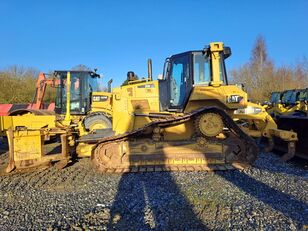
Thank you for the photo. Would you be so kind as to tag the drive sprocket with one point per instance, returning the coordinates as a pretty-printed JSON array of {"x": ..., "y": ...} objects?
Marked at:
[{"x": 209, "y": 124}]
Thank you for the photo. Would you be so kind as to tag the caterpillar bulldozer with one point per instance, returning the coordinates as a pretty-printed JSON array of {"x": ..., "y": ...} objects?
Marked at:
[{"x": 185, "y": 120}]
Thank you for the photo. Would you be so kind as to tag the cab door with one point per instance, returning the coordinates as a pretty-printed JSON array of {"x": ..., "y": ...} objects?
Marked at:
[{"x": 180, "y": 81}]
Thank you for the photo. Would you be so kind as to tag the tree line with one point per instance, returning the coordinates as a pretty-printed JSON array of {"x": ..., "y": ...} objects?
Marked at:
[
  {"x": 260, "y": 76},
  {"x": 18, "y": 84}
]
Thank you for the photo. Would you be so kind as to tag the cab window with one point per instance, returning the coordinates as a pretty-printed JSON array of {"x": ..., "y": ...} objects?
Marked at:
[
  {"x": 202, "y": 73},
  {"x": 179, "y": 80}
]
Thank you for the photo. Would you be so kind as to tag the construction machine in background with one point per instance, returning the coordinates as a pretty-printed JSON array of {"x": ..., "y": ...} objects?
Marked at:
[
  {"x": 38, "y": 100},
  {"x": 287, "y": 102},
  {"x": 290, "y": 113},
  {"x": 83, "y": 102},
  {"x": 273, "y": 103},
  {"x": 37, "y": 107},
  {"x": 86, "y": 89},
  {"x": 190, "y": 119}
]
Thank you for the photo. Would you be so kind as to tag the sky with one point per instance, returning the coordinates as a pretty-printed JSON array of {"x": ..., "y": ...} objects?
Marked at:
[{"x": 117, "y": 36}]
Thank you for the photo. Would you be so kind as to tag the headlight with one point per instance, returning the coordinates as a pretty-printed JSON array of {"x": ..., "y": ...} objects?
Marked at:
[{"x": 248, "y": 110}]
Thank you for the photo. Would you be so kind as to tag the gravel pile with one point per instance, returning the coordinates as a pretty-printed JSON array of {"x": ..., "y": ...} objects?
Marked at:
[{"x": 270, "y": 196}]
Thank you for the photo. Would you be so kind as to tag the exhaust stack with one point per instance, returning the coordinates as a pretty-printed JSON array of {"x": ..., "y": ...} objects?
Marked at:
[{"x": 150, "y": 78}]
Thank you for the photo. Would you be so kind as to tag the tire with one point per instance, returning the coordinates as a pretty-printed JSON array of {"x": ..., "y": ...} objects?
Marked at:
[{"x": 97, "y": 121}]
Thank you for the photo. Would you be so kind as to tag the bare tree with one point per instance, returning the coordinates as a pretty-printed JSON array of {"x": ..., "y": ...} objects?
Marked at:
[
  {"x": 17, "y": 84},
  {"x": 261, "y": 77},
  {"x": 259, "y": 58}
]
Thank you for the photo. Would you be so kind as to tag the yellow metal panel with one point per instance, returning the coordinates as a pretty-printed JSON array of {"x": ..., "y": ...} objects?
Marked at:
[
  {"x": 140, "y": 121},
  {"x": 68, "y": 98},
  {"x": 30, "y": 121},
  {"x": 216, "y": 48},
  {"x": 182, "y": 131},
  {"x": 101, "y": 101},
  {"x": 140, "y": 98},
  {"x": 28, "y": 145},
  {"x": 284, "y": 135},
  {"x": 84, "y": 149},
  {"x": 216, "y": 96},
  {"x": 5, "y": 123}
]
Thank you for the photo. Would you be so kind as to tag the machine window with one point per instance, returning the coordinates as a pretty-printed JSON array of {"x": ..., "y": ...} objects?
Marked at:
[
  {"x": 202, "y": 73},
  {"x": 82, "y": 85},
  {"x": 275, "y": 97},
  {"x": 178, "y": 79},
  {"x": 75, "y": 93}
]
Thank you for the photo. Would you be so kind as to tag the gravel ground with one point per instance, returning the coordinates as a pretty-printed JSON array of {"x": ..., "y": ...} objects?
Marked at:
[{"x": 272, "y": 195}]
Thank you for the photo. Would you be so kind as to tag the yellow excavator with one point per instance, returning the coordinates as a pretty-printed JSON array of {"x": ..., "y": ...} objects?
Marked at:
[{"x": 191, "y": 118}]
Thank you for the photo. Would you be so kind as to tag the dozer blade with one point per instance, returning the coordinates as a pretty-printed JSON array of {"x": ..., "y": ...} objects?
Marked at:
[
  {"x": 298, "y": 125},
  {"x": 26, "y": 151},
  {"x": 135, "y": 152}
]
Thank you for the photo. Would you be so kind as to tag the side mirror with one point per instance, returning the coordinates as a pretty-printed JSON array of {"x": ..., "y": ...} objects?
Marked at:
[
  {"x": 227, "y": 52},
  {"x": 206, "y": 51}
]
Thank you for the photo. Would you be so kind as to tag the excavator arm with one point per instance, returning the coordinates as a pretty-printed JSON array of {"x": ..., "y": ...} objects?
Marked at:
[{"x": 41, "y": 85}]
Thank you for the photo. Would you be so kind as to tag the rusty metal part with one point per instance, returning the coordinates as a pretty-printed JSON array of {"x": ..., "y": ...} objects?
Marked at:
[
  {"x": 299, "y": 125},
  {"x": 270, "y": 145},
  {"x": 291, "y": 152},
  {"x": 130, "y": 153},
  {"x": 290, "y": 137}
]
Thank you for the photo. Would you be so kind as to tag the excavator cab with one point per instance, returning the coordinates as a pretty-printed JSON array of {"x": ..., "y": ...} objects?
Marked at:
[{"x": 82, "y": 84}]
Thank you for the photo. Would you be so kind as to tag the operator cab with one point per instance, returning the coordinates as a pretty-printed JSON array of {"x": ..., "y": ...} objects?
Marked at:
[
  {"x": 184, "y": 71},
  {"x": 303, "y": 95},
  {"x": 290, "y": 97},
  {"x": 83, "y": 83},
  {"x": 275, "y": 98}
]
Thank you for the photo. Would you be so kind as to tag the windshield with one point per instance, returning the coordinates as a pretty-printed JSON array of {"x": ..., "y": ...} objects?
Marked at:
[
  {"x": 287, "y": 97},
  {"x": 275, "y": 97},
  {"x": 82, "y": 85},
  {"x": 303, "y": 95},
  {"x": 294, "y": 97},
  {"x": 202, "y": 69}
]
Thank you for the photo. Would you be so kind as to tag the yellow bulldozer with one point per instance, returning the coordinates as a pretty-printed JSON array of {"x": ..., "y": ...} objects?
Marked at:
[
  {"x": 191, "y": 118},
  {"x": 287, "y": 102},
  {"x": 290, "y": 111}
]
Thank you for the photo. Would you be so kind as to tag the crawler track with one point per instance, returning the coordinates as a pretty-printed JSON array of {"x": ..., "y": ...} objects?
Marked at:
[{"x": 113, "y": 162}]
